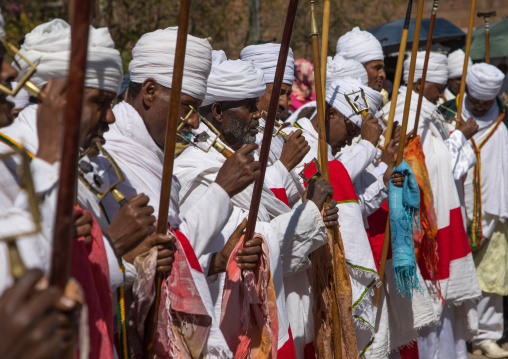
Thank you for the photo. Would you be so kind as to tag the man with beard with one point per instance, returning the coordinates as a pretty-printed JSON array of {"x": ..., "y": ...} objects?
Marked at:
[
  {"x": 363, "y": 47},
  {"x": 231, "y": 106},
  {"x": 486, "y": 200}
]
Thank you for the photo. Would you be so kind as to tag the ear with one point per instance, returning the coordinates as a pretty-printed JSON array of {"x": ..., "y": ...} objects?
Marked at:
[
  {"x": 217, "y": 112},
  {"x": 148, "y": 90},
  {"x": 331, "y": 114},
  {"x": 417, "y": 86}
]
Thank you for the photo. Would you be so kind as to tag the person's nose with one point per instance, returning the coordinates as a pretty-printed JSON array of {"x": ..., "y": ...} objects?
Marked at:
[
  {"x": 9, "y": 73},
  {"x": 110, "y": 117},
  {"x": 382, "y": 74},
  {"x": 193, "y": 121}
]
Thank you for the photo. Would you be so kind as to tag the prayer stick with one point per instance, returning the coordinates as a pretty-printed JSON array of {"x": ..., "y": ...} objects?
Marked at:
[
  {"x": 169, "y": 156},
  {"x": 403, "y": 131},
  {"x": 324, "y": 41},
  {"x": 270, "y": 117},
  {"x": 425, "y": 65},
  {"x": 64, "y": 218},
  {"x": 486, "y": 16},
  {"x": 466, "y": 58}
]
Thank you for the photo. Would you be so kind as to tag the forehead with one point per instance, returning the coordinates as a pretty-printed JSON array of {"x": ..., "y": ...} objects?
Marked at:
[
  {"x": 99, "y": 94},
  {"x": 375, "y": 64}
]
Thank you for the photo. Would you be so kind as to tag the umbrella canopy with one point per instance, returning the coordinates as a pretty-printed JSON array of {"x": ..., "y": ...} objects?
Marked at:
[
  {"x": 498, "y": 40},
  {"x": 389, "y": 34}
]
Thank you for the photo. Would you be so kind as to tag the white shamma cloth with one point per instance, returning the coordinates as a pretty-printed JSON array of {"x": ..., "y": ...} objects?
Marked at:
[
  {"x": 265, "y": 57},
  {"x": 484, "y": 81},
  {"x": 456, "y": 63},
  {"x": 233, "y": 80},
  {"x": 437, "y": 71},
  {"x": 339, "y": 67},
  {"x": 360, "y": 45},
  {"x": 154, "y": 57},
  {"x": 48, "y": 47}
]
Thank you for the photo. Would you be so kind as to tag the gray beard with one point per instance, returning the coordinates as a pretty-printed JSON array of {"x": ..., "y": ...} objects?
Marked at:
[{"x": 238, "y": 132}]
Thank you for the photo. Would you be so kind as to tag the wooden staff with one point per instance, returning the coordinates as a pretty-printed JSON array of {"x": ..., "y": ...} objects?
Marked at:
[
  {"x": 486, "y": 16},
  {"x": 425, "y": 65},
  {"x": 64, "y": 218},
  {"x": 169, "y": 156},
  {"x": 270, "y": 117},
  {"x": 466, "y": 58},
  {"x": 405, "y": 119},
  {"x": 324, "y": 42}
]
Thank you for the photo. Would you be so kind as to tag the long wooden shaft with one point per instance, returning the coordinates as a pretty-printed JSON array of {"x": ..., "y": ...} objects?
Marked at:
[
  {"x": 466, "y": 58},
  {"x": 487, "y": 44},
  {"x": 405, "y": 118},
  {"x": 425, "y": 65},
  {"x": 270, "y": 117},
  {"x": 324, "y": 42},
  {"x": 169, "y": 156},
  {"x": 389, "y": 128},
  {"x": 64, "y": 219},
  {"x": 398, "y": 73}
]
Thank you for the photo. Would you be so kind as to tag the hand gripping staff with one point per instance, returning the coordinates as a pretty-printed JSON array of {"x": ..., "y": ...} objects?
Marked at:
[
  {"x": 167, "y": 174},
  {"x": 405, "y": 119}
]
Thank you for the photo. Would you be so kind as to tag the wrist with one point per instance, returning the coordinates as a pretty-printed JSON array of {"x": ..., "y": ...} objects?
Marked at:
[{"x": 48, "y": 154}]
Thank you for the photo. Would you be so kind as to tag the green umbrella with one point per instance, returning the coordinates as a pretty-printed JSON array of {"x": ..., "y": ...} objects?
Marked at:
[{"x": 498, "y": 40}]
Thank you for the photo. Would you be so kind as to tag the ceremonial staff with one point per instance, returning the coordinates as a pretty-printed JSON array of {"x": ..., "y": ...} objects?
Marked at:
[
  {"x": 403, "y": 131},
  {"x": 486, "y": 16},
  {"x": 64, "y": 218},
  {"x": 466, "y": 58},
  {"x": 270, "y": 117},
  {"x": 324, "y": 42},
  {"x": 169, "y": 156},
  {"x": 339, "y": 287},
  {"x": 425, "y": 65}
]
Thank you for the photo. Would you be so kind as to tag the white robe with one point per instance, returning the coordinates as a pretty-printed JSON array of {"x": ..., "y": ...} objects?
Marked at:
[{"x": 291, "y": 235}]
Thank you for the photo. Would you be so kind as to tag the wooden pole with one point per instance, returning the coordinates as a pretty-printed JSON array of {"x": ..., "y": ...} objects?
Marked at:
[
  {"x": 389, "y": 130},
  {"x": 270, "y": 117},
  {"x": 324, "y": 41},
  {"x": 466, "y": 58},
  {"x": 403, "y": 131},
  {"x": 425, "y": 65},
  {"x": 169, "y": 156},
  {"x": 64, "y": 218}
]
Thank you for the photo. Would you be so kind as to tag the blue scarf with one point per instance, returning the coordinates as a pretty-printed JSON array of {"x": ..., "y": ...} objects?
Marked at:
[{"x": 403, "y": 204}]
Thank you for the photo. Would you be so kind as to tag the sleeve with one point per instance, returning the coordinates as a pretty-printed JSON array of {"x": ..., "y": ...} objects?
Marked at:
[
  {"x": 357, "y": 160},
  {"x": 461, "y": 154},
  {"x": 299, "y": 233},
  {"x": 371, "y": 192},
  {"x": 204, "y": 219}
]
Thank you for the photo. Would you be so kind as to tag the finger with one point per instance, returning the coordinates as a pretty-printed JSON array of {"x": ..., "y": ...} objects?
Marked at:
[
  {"x": 241, "y": 227},
  {"x": 163, "y": 239},
  {"x": 246, "y": 149},
  {"x": 83, "y": 230},
  {"x": 85, "y": 218},
  {"x": 256, "y": 241},
  {"x": 88, "y": 240},
  {"x": 163, "y": 253},
  {"x": 331, "y": 224},
  {"x": 249, "y": 251},
  {"x": 139, "y": 200},
  {"x": 247, "y": 259},
  {"x": 23, "y": 289},
  {"x": 164, "y": 269},
  {"x": 333, "y": 204},
  {"x": 165, "y": 262},
  {"x": 146, "y": 210},
  {"x": 247, "y": 266},
  {"x": 39, "y": 304}
]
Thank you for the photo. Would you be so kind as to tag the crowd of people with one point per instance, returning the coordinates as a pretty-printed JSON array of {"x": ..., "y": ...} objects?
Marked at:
[{"x": 223, "y": 295}]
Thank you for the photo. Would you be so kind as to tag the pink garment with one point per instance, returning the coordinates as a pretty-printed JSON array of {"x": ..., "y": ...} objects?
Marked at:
[
  {"x": 304, "y": 85},
  {"x": 89, "y": 266},
  {"x": 249, "y": 319},
  {"x": 184, "y": 324}
]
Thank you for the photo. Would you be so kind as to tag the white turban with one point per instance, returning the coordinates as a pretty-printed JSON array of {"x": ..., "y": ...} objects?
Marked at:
[
  {"x": 484, "y": 81},
  {"x": 265, "y": 57},
  {"x": 233, "y": 80},
  {"x": 456, "y": 63},
  {"x": 154, "y": 57},
  {"x": 2, "y": 24},
  {"x": 22, "y": 98},
  {"x": 48, "y": 47},
  {"x": 359, "y": 45},
  {"x": 335, "y": 98},
  {"x": 339, "y": 67},
  {"x": 437, "y": 69}
]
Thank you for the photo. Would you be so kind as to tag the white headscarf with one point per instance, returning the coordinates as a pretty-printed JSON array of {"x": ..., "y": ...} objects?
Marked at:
[
  {"x": 437, "y": 70},
  {"x": 359, "y": 45},
  {"x": 154, "y": 57},
  {"x": 2, "y": 24},
  {"x": 335, "y": 98},
  {"x": 21, "y": 100},
  {"x": 265, "y": 57},
  {"x": 456, "y": 63},
  {"x": 484, "y": 81},
  {"x": 233, "y": 80},
  {"x": 48, "y": 47},
  {"x": 339, "y": 67}
]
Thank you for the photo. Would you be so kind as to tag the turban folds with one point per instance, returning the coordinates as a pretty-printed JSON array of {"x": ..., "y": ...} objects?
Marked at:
[
  {"x": 484, "y": 81},
  {"x": 339, "y": 67},
  {"x": 359, "y": 45},
  {"x": 265, "y": 57},
  {"x": 233, "y": 80},
  {"x": 154, "y": 57},
  {"x": 437, "y": 70},
  {"x": 2, "y": 24},
  {"x": 335, "y": 97},
  {"x": 48, "y": 47},
  {"x": 456, "y": 63}
]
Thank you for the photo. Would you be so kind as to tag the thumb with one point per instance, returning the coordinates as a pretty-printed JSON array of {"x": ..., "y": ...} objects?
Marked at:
[
  {"x": 246, "y": 149},
  {"x": 237, "y": 234}
]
